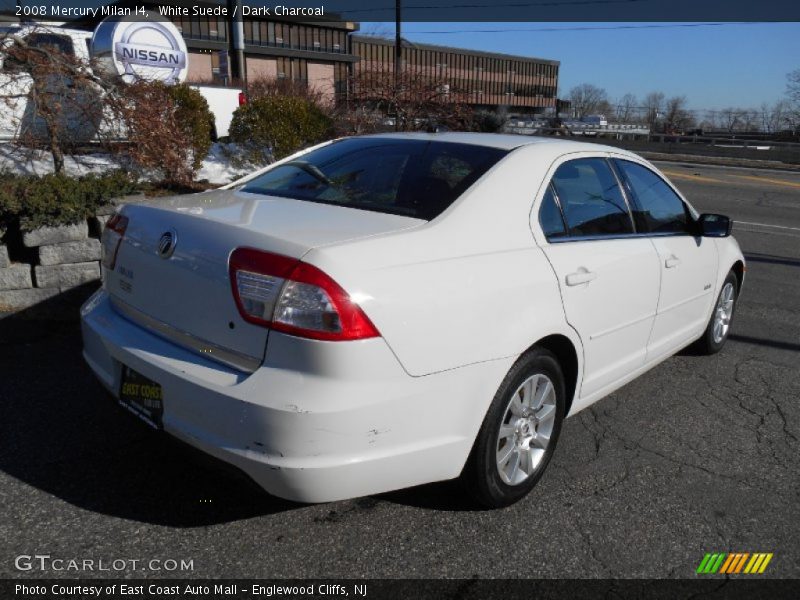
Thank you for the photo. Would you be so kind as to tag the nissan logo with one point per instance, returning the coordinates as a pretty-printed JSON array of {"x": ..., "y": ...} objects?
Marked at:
[
  {"x": 167, "y": 243},
  {"x": 147, "y": 47}
]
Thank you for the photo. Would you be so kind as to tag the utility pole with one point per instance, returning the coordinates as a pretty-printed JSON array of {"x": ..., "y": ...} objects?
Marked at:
[
  {"x": 236, "y": 41},
  {"x": 398, "y": 57}
]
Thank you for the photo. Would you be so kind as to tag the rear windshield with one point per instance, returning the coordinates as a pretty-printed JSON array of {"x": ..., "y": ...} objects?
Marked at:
[{"x": 417, "y": 178}]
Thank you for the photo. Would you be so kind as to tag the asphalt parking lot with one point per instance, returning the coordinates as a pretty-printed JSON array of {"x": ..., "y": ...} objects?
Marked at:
[{"x": 699, "y": 455}]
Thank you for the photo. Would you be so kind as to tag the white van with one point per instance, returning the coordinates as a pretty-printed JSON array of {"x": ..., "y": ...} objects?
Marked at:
[{"x": 17, "y": 114}]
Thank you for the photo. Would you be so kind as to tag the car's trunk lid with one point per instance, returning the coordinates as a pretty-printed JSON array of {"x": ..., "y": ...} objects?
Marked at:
[{"x": 187, "y": 295}]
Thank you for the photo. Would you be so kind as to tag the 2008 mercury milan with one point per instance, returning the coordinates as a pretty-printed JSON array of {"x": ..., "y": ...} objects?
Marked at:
[{"x": 384, "y": 311}]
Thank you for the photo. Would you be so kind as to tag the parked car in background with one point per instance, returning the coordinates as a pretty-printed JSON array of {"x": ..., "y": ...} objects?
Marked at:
[
  {"x": 595, "y": 120},
  {"x": 385, "y": 311}
]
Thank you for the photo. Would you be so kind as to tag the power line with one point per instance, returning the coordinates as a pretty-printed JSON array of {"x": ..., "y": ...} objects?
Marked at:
[
  {"x": 446, "y": 6},
  {"x": 587, "y": 28}
]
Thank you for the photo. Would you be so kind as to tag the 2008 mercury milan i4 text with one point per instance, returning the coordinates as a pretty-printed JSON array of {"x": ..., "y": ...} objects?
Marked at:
[{"x": 384, "y": 311}]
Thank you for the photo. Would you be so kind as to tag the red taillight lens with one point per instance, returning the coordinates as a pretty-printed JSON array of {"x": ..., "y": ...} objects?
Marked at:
[
  {"x": 242, "y": 98},
  {"x": 294, "y": 297},
  {"x": 112, "y": 238}
]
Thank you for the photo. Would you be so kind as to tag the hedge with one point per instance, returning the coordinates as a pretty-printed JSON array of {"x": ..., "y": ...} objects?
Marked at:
[
  {"x": 196, "y": 118},
  {"x": 28, "y": 202},
  {"x": 273, "y": 127}
]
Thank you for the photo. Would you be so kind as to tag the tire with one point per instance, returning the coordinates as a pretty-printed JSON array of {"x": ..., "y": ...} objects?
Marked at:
[
  {"x": 719, "y": 325},
  {"x": 519, "y": 433}
]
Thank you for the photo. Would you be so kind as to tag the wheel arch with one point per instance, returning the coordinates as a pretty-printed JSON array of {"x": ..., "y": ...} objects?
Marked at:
[
  {"x": 738, "y": 270},
  {"x": 567, "y": 355}
]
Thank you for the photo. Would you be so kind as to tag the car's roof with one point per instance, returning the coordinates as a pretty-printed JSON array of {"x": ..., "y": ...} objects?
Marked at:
[{"x": 505, "y": 141}]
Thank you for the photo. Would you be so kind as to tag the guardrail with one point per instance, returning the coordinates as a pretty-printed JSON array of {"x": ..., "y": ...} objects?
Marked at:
[
  {"x": 729, "y": 141},
  {"x": 642, "y": 133},
  {"x": 577, "y": 128}
]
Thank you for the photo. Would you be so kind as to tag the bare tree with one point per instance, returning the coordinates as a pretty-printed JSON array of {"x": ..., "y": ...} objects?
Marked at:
[
  {"x": 677, "y": 117},
  {"x": 793, "y": 87},
  {"x": 378, "y": 30},
  {"x": 731, "y": 119},
  {"x": 750, "y": 119},
  {"x": 776, "y": 117},
  {"x": 626, "y": 108},
  {"x": 159, "y": 141},
  {"x": 653, "y": 105},
  {"x": 604, "y": 107},
  {"x": 793, "y": 93},
  {"x": 586, "y": 99},
  {"x": 50, "y": 99},
  {"x": 416, "y": 99}
]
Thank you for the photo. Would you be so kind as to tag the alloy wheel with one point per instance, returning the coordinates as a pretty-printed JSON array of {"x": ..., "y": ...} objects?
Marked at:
[
  {"x": 526, "y": 429},
  {"x": 723, "y": 313}
]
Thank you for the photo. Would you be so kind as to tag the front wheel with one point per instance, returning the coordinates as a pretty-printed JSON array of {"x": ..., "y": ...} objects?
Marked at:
[
  {"x": 519, "y": 433},
  {"x": 719, "y": 326}
]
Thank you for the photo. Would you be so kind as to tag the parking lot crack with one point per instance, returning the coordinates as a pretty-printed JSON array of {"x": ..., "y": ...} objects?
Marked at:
[
  {"x": 591, "y": 549},
  {"x": 637, "y": 446}
]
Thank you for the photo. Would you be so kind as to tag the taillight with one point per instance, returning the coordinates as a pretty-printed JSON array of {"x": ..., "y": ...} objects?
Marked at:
[
  {"x": 242, "y": 98},
  {"x": 294, "y": 297},
  {"x": 112, "y": 238}
]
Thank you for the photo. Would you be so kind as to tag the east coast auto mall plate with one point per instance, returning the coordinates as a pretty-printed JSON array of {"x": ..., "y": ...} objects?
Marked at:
[{"x": 142, "y": 396}]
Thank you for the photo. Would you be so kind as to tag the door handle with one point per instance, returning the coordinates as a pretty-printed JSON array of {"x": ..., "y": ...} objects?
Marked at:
[
  {"x": 672, "y": 261},
  {"x": 580, "y": 276}
]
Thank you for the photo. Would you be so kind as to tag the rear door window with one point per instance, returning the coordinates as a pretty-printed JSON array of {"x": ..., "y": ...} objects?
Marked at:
[{"x": 591, "y": 199}]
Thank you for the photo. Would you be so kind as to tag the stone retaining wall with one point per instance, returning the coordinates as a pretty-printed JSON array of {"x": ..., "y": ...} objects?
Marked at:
[
  {"x": 65, "y": 257},
  {"x": 51, "y": 261}
]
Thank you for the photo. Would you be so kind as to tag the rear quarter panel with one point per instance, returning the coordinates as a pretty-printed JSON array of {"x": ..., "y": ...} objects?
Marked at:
[{"x": 468, "y": 287}]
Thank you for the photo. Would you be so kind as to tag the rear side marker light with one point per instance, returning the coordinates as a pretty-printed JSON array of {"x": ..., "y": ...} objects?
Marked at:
[
  {"x": 113, "y": 233},
  {"x": 294, "y": 297}
]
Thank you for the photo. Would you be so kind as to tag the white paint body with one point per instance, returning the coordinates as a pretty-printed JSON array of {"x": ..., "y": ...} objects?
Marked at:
[{"x": 456, "y": 300}]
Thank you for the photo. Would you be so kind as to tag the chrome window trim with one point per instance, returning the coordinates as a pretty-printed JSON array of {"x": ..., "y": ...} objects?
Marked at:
[
  {"x": 557, "y": 201},
  {"x": 237, "y": 360},
  {"x": 627, "y": 236},
  {"x": 623, "y": 191}
]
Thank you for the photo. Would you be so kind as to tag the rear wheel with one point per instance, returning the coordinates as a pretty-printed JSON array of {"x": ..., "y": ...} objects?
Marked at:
[
  {"x": 719, "y": 326},
  {"x": 519, "y": 433}
]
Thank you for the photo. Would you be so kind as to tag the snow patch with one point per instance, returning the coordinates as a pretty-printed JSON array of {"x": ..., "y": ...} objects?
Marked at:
[
  {"x": 26, "y": 161},
  {"x": 217, "y": 168}
]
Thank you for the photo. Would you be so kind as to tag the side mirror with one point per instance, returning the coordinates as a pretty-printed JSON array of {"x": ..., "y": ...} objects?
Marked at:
[{"x": 711, "y": 225}]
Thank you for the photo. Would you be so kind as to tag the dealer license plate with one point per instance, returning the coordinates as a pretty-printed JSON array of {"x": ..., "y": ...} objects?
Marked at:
[{"x": 141, "y": 396}]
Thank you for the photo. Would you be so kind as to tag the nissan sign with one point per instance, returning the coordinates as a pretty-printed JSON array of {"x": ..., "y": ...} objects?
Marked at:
[{"x": 142, "y": 47}]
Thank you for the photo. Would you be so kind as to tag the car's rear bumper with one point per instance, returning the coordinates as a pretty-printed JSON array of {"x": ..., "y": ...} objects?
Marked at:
[{"x": 318, "y": 421}]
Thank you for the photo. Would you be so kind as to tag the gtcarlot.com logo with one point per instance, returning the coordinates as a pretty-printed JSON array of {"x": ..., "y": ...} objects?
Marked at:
[
  {"x": 734, "y": 563},
  {"x": 45, "y": 562}
]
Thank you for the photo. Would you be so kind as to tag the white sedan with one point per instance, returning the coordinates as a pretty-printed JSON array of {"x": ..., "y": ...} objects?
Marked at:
[{"x": 385, "y": 311}]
